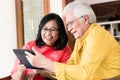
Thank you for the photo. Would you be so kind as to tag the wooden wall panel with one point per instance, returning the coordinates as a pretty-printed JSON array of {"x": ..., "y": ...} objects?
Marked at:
[
  {"x": 19, "y": 23},
  {"x": 106, "y": 10}
]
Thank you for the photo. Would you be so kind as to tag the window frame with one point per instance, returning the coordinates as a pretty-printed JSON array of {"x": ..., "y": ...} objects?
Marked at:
[{"x": 19, "y": 20}]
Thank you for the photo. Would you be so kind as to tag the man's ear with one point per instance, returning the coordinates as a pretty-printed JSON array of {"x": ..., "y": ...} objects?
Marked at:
[{"x": 86, "y": 19}]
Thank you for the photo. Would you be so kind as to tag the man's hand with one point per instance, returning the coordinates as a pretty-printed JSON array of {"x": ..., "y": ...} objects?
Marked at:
[{"x": 40, "y": 61}]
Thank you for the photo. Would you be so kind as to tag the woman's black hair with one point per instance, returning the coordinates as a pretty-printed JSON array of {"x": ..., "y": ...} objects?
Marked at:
[{"x": 63, "y": 38}]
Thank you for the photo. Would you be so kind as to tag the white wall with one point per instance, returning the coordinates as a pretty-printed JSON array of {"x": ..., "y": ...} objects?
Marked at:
[
  {"x": 7, "y": 36},
  {"x": 56, "y": 6}
]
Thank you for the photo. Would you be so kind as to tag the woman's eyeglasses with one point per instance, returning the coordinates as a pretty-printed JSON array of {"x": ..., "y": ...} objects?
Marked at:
[{"x": 52, "y": 30}]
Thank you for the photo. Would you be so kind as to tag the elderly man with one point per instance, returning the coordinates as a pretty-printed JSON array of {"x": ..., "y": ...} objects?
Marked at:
[{"x": 96, "y": 54}]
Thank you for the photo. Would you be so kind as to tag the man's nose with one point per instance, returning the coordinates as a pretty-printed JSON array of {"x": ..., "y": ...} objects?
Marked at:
[{"x": 69, "y": 28}]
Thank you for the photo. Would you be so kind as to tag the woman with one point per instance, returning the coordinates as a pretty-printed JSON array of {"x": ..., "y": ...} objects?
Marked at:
[{"x": 51, "y": 41}]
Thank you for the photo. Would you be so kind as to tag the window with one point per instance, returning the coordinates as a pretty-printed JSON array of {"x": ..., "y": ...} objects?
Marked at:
[
  {"x": 32, "y": 12},
  {"x": 28, "y": 16}
]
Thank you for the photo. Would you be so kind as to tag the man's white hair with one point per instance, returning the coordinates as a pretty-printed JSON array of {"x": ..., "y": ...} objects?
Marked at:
[{"x": 80, "y": 9}]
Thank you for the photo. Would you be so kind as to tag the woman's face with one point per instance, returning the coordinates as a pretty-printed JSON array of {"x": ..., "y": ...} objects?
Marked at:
[{"x": 50, "y": 33}]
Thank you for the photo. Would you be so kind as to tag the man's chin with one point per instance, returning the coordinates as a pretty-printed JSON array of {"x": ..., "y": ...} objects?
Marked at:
[{"x": 77, "y": 37}]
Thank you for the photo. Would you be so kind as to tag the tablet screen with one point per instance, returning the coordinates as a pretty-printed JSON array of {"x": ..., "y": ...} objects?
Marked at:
[{"x": 22, "y": 57}]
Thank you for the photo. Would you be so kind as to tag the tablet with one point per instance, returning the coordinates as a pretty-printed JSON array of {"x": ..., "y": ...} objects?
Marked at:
[{"x": 22, "y": 57}]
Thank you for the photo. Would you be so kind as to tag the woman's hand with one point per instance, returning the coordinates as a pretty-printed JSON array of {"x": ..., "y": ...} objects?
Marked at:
[
  {"x": 19, "y": 75},
  {"x": 21, "y": 67}
]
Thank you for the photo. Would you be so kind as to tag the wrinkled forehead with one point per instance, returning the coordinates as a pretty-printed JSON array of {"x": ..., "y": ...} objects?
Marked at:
[{"x": 70, "y": 16}]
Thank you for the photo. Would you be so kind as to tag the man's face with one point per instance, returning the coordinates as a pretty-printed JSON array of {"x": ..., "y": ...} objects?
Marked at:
[{"x": 75, "y": 25}]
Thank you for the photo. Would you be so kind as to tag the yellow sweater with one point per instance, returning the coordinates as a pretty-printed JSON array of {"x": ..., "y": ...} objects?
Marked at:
[{"x": 95, "y": 57}]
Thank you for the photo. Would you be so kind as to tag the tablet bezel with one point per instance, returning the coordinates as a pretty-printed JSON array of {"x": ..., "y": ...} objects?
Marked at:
[{"x": 22, "y": 57}]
